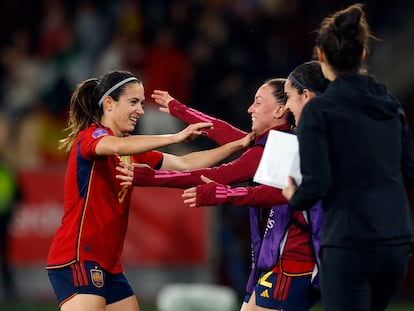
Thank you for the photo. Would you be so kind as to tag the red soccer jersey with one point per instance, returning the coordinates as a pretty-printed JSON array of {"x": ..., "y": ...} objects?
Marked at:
[
  {"x": 96, "y": 206},
  {"x": 298, "y": 244}
]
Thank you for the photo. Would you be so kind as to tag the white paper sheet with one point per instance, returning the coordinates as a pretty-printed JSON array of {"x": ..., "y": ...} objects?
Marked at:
[{"x": 280, "y": 159}]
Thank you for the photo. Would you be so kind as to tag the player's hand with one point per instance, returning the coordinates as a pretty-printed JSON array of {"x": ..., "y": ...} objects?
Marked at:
[
  {"x": 192, "y": 131},
  {"x": 162, "y": 98},
  {"x": 247, "y": 140},
  {"x": 127, "y": 172},
  {"x": 290, "y": 189},
  {"x": 206, "y": 180},
  {"x": 190, "y": 195}
]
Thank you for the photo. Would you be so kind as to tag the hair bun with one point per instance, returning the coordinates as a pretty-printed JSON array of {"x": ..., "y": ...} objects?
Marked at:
[{"x": 347, "y": 23}]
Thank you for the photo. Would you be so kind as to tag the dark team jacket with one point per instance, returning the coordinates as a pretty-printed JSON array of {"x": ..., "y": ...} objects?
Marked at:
[{"x": 357, "y": 156}]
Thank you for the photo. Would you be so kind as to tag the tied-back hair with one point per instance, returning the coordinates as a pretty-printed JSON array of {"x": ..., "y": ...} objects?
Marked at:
[
  {"x": 343, "y": 36},
  {"x": 309, "y": 76},
  {"x": 278, "y": 86},
  {"x": 84, "y": 109}
]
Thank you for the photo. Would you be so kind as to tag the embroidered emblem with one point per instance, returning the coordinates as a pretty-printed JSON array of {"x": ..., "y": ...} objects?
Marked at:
[
  {"x": 99, "y": 132},
  {"x": 97, "y": 277}
]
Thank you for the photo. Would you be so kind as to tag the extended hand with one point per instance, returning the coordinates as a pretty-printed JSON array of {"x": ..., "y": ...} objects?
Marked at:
[
  {"x": 247, "y": 140},
  {"x": 190, "y": 195},
  {"x": 194, "y": 130},
  {"x": 162, "y": 98},
  {"x": 127, "y": 171},
  {"x": 289, "y": 191}
]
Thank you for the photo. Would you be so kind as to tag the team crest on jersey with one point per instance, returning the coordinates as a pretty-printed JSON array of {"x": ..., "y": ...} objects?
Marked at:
[
  {"x": 99, "y": 132},
  {"x": 97, "y": 277}
]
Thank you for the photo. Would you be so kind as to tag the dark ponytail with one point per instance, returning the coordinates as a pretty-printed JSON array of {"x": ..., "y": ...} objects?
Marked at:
[{"x": 83, "y": 111}]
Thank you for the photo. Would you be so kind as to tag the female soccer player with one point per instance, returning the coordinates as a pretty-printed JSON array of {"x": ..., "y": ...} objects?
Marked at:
[
  {"x": 284, "y": 245},
  {"x": 84, "y": 265}
]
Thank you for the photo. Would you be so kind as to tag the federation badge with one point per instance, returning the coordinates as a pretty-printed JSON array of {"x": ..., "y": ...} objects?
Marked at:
[
  {"x": 97, "y": 277},
  {"x": 99, "y": 132}
]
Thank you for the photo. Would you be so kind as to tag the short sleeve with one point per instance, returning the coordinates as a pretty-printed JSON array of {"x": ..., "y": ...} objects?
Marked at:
[
  {"x": 151, "y": 158},
  {"x": 88, "y": 140}
]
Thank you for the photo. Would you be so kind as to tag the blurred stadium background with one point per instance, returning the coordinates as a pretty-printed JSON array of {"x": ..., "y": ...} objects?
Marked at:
[{"x": 209, "y": 54}]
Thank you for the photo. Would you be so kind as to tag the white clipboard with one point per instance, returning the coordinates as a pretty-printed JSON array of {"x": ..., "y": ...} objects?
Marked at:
[{"x": 280, "y": 159}]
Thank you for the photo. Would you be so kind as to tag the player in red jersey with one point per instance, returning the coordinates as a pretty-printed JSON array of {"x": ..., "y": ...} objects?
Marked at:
[
  {"x": 288, "y": 252},
  {"x": 267, "y": 112},
  {"x": 84, "y": 265},
  {"x": 279, "y": 235}
]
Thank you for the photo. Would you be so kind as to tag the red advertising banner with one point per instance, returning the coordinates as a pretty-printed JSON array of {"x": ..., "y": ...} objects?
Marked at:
[
  {"x": 37, "y": 217},
  {"x": 162, "y": 230}
]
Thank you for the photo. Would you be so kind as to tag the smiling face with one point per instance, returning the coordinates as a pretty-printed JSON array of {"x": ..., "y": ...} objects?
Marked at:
[
  {"x": 121, "y": 116},
  {"x": 266, "y": 111},
  {"x": 296, "y": 101}
]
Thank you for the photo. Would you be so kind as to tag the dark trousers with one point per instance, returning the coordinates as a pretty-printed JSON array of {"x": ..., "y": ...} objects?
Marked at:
[{"x": 364, "y": 278}]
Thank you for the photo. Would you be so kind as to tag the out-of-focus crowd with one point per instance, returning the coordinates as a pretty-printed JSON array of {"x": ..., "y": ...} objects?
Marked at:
[{"x": 210, "y": 54}]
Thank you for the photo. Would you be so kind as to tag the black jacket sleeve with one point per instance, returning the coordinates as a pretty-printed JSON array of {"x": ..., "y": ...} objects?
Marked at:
[
  {"x": 407, "y": 156},
  {"x": 314, "y": 160}
]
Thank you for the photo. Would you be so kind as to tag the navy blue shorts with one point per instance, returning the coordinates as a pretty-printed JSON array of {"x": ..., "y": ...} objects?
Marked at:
[
  {"x": 247, "y": 298},
  {"x": 88, "y": 278},
  {"x": 280, "y": 290}
]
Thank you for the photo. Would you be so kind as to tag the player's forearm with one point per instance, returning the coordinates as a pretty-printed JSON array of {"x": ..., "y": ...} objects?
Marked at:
[
  {"x": 144, "y": 176},
  {"x": 134, "y": 144},
  {"x": 260, "y": 196},
  {"x": 210, "y": 157},
  {"x": 147, "y": 177},
  {"x": 222, "y": 131}
]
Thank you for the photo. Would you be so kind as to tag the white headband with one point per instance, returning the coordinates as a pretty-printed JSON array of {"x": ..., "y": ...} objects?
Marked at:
[{"x": 114, "y": 88}]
